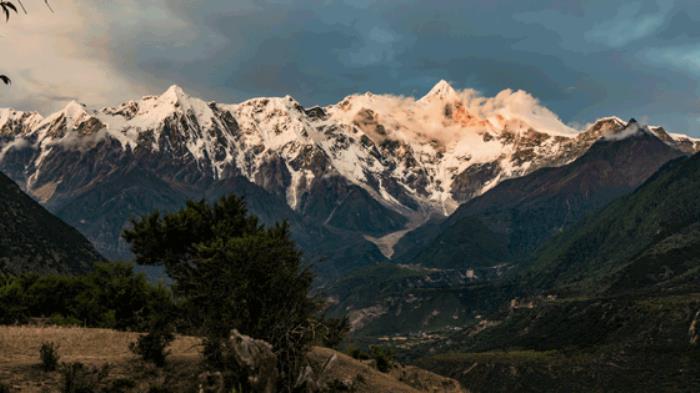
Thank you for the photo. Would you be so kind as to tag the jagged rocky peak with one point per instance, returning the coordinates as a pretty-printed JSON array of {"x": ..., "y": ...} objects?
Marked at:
[
  {"x": 269, "y": 106},
  {"x": 18, "y": 122},
  {"x": 604, "y": 126},
  {"x": 73, "y": 112},
  {"x": 127, "y": 109},
  {"x": 441, "y": 91},
  {"x": 174, "y": 93},
  {"x": 608, "y": 122},
  {"x": 316, "y": 113},
  {"x": 175, "y": 97},
  {"x": 422, "y": 155},
  {"x": 634, "y": 129},
  {"x": 152, "y": 111},
  {"x": 74, "y": 116}
]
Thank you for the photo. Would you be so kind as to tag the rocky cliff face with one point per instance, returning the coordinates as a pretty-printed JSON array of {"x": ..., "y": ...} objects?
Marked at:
[{"x": 366, "y": 167}]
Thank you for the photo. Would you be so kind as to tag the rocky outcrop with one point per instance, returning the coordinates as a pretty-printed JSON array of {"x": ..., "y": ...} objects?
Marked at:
[
  {"x": 694, "y": 330},
  {"x": 256, "y": 359}
]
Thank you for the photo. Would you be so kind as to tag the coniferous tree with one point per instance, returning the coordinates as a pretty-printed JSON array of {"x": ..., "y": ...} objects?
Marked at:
[{"x": 231, "y": 272}]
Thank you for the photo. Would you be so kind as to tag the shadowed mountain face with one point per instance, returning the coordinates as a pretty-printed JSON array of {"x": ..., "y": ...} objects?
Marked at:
[
  {"x": 105, "y": 208},
  {"x": 33, "y": 240},
  {"x": 647, "y": 240},
  {"x": 508, "y": 223},
  {"x": 622, "y": 311}
]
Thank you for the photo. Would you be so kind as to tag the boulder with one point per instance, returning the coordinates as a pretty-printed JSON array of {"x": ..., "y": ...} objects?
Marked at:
[{"x": 257, "y": 359}]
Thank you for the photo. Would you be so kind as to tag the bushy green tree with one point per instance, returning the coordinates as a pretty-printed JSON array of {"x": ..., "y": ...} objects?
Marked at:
[
  {"x": 111, "y": 296},
  {"x": 232, "y": 272},
  {"x": 152, "y": 347},
  {"x": 48, "y": 353},
  {"x": 334, "y": 331}
]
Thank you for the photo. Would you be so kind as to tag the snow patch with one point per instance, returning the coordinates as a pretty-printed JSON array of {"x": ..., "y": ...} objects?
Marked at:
[{"x": 631, "y": 130}]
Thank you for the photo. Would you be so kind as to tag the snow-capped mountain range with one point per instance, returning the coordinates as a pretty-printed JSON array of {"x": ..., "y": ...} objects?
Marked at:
[{"x": 408, "y": 158}]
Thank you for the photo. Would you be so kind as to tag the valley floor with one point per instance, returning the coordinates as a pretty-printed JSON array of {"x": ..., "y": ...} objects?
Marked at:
[
  {"x": 616, "y": 344},
  {"x": 109, "y": 350}
]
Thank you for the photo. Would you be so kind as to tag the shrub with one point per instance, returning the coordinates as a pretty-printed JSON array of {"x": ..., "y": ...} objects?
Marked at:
[
  {"x": 49, "y": 356},
  {"x": 78, "y": 378},
  {"x": 158, "y": 389},
  {"x": 335, "y": 331},
  {"x": 120, "y": 385},
  {"x": 383, "y": 357},
  {"x": 62, "y": 320},
  {"x": 152, "y": 346},
  {"x": 337, "y": 385},
  {"x": 358, "y": 354},
  {"x": 111, "y": 296}
]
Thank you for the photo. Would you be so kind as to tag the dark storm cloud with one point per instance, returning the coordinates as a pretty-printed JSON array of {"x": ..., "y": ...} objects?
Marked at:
[{"x": 582, "y": 59}]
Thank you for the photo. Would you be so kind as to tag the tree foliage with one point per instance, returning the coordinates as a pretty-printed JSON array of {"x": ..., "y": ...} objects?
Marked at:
[
  {"x": 230, "y": 272},
  {"x": 112, "y": 296},
  {"x": 152, "y": 346},
  {"x": 8, "y": 7}
]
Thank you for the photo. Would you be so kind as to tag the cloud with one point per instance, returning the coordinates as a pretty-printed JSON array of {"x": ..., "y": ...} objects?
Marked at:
[
  {"x": 17, "y": 143},
  {"x": 446, "y": 118},
  {"x": 629, "y": 24},
  {"x": 103, "y": 52},
  {"x": 522, "y": 105},
  {"x": 685, "y": 58},
  {"x": 51, "y": 58}
]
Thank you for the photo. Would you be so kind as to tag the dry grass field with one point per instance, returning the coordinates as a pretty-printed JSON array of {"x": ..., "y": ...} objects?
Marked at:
[
  {"x": 20, "y": 368},
  {"x": 20, "y": 365}
]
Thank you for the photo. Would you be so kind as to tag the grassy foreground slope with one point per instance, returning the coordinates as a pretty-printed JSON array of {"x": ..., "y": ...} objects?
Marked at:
[{"x": 19, "y": 364}]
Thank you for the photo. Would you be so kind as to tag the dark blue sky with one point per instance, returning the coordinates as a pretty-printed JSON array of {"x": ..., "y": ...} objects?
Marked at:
[{"x": 582, "y": 59}]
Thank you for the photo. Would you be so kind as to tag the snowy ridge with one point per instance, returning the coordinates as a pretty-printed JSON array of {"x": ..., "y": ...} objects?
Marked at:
[
  {"x": 682, "y": 137},
  {"x": 416, "y": 156},
  {"x": 11, "y": 120},
  {"x": 631, "y": 129}
]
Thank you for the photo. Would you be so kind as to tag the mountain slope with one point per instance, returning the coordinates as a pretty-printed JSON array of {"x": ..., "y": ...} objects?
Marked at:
[
  {"x": 460, "y": 274},
  {"x": 622, "y": 311},
  {"x": 610, "y": 344},
  {"x": 649, "y": 239},
  {"x": 509, "y": 222},
  {"x": 33, "y": 240},
  {"x": 622, "y": 305},
  {"x": 364, "y": 170}
]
